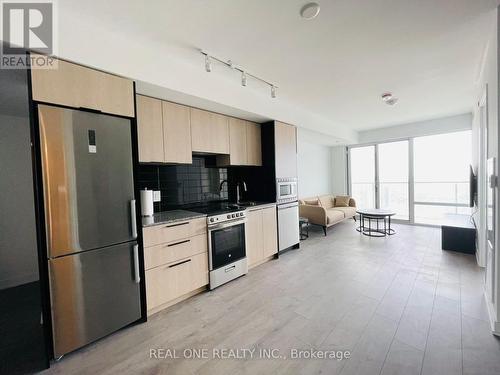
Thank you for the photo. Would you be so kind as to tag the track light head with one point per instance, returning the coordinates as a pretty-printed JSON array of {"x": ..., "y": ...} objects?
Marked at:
[
  {"x": 208, "y": 64},
  {"x": 243, "y": 79},
  {"x": 273, "y": 91}
]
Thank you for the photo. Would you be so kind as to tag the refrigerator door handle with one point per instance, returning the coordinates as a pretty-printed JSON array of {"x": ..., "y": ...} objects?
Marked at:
[
  {"x": 137, "y": 277},
  {"x": 133, "y": 218}
]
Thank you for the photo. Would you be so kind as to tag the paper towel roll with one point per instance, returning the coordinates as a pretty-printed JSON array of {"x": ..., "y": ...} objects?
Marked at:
[{"x": 147, "y": 202}]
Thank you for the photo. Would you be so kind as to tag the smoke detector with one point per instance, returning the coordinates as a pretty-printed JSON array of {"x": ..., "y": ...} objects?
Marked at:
[
  {"x": 310, "y": 11},
  {"x": 389, "y": 99}
]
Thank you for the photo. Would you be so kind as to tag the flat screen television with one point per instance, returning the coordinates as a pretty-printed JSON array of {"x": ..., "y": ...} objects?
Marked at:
[{"x": 472, "y": 188}]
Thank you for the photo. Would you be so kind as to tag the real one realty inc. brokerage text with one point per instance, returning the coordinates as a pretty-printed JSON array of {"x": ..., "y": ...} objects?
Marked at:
[{"x": 246, "y": 353}]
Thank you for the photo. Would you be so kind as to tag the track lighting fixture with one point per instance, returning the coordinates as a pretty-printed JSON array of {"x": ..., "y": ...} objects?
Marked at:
[
  {"x": 244, "y": 75},
  {"x": 208, "y": 64}
]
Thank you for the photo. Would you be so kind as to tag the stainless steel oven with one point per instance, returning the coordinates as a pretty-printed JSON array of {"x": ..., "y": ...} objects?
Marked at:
[
  {"x": 226, "y": 247},
  {"x": 286, "y": 190}
]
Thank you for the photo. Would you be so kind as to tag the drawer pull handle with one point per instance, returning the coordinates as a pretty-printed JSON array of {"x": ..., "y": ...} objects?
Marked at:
[
  {"x": 228, "y": 269},
  {"x": 176, "y": 225},
  {"x": 178, "y": 243},
  {"x": 178, "y": 264}
]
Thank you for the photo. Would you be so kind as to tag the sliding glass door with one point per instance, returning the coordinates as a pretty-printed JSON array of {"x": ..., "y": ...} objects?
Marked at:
[
  {"x": 379, "y": 177},
  {"x": 393, "y": 178},
  {"x": 424, "y": 180},
  {"x": 362, "y": 175}
]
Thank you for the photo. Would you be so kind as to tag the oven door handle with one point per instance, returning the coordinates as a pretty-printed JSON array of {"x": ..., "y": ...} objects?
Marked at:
[{"x": 226, "y": 225}]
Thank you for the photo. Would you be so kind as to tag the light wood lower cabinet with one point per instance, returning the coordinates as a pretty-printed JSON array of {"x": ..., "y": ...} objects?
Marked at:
[
  {"x": 166, "y": 233},
  {"x": 169, "y": 282},
  {"x": 77, "y": 86},
  {"x": 254, "y": 245},
  {"x": 158, "y": 255},
  {"x": 176, "y": 262},
  {"x": 262, "y": 235},
  {"x": 269, "y": 232}
]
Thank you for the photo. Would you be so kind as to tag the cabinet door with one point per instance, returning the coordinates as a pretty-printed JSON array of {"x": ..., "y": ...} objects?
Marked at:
[
  {"x": 253, "y": 144},
  {"x": 286, "y": 150},
  {"x": 209, "y": 132},
  {"x": 149, "y": 129},
  {"x": 77, "y": 86},
  {"x": 237, "y": 141},
  {"x": 254, "y": 237},
  {"x": 270, "y": 231},
  {"x": 177, "y": 133}
]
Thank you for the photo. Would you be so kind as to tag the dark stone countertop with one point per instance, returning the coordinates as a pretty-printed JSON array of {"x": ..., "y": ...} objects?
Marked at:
[{"x": 172, "y": 216}]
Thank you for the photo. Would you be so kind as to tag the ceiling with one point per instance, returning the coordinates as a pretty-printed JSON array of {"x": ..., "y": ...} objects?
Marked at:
[{"x": 330, "y": 71}]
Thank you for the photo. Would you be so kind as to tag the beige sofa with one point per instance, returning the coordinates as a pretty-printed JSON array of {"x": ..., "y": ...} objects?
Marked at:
[{"x": 324, "y": 211}]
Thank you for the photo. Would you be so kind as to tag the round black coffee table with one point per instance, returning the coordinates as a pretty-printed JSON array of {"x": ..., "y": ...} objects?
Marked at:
[{"x": 375, "y": 216}]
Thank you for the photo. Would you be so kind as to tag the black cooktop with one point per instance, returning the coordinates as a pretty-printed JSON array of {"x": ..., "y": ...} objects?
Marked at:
[{"x": 213, "y": 208}]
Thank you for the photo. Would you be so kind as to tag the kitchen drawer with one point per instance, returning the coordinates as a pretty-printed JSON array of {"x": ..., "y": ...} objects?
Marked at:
[
  {"x": 166, "y": 233},
  {"x": 166, "y": 283},
  {"x": 158, "y": 255}
]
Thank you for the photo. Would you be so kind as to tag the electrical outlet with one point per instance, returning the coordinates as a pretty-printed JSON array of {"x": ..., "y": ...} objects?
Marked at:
[{"x": 156, "y": 196}]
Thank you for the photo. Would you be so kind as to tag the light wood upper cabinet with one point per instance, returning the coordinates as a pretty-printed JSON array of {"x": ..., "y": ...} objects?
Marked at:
[
  {"x": 237, "y": 141},
  {"x": 245, "y": 144},
  {"x": 150, "y": 129},
  {"x": 254, "y": 144},
  {"x": 254, "y": 243},
  {"x": 164, "y": 131},
  {"x": 176, "y": 133},
  {"x": 269, "y": 232},
  {"x": 209, "y": 132},
  {"x": 77, "y": 86},
  {"x": 285, "y": 141}
]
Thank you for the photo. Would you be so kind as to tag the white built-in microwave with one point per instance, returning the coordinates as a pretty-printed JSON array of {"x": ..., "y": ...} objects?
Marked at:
[{"x": 286, "y": 189}]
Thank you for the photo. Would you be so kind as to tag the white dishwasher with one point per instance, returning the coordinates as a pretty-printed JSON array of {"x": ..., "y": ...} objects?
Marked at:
[{"x": 288, "y": 225}]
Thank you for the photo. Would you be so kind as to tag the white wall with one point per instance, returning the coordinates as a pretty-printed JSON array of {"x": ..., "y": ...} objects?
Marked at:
[
  {"x": 339, "y": 170},
  {"x": 416, "y": 129},
  {"x": 314, "y": 168},
  {"x": 488, "y": 78}
]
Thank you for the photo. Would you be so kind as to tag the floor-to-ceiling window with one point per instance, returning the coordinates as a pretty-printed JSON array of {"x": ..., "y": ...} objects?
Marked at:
[
  {"x": 441, "y": 170},
  {"x": 423, "y": 179},
  {"x": 362, "y": 176},
  {"x": 393, "y": 178}
]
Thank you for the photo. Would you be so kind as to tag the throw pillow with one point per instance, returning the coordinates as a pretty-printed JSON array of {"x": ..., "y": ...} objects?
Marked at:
[
  {"x": 311, "y": 202},
  {"x": 342, "y": 201}
]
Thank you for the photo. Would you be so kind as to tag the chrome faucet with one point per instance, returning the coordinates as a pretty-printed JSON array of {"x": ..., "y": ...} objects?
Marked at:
[
  {"x": 238, "y": 197},
  {"x": 222, "y": 184}
]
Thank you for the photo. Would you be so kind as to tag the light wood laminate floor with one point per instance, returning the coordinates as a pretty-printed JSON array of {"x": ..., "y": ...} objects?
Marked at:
[{"x": 399, "y": 304}]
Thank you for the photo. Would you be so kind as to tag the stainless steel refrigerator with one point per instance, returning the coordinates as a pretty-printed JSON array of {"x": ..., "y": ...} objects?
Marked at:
[{"x": 91, "y": 227}]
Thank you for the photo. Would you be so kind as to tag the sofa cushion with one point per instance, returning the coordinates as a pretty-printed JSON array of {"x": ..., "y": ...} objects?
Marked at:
[
  {"x": 342, "y": 201},
  {"x": 346, "y": 211},
  {"x": 311, "y": 202},
  {"x": 326, "y": 201},
  {"x": 334, "y": 216}
]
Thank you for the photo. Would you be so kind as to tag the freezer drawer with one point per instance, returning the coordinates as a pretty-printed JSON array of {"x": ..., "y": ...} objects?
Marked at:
[
  {"x": 288, "y": 225},
  {"x": 93, "y": 294}
]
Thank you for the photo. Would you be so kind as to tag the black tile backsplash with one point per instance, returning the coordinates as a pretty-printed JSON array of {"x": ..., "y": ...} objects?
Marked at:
[{"x": 184, "y": 184}]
